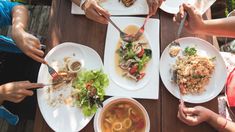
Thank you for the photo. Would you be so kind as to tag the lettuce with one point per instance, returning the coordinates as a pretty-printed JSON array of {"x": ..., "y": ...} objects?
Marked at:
[{"x": 87, "y": 101}]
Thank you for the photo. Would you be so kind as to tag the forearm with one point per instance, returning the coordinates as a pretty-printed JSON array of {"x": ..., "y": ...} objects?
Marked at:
[
  {"x": 77, "y": 2},
  {"x": 219, "y": 122},
  {"x": 19, "y": 21},
  {"x": 20, "y": 17},
  {"x": 220, "y": 27}
]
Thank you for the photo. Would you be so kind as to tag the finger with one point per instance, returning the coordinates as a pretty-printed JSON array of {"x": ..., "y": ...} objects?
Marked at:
[
  {"x": 102, "y": 11},
  {"x": 26, "y": 92},
  {"x": 38, "y": 52},
  {"x": 150, "y": 9},
  {"x": 189, "y": 111},
  {"x": 35, "y": 41},
  {"x": 36, "y": 58},
  {"x": 181, "y": 11},
  {"x": 34, "y": 85},
  {"x": 154, "y": 9},
  {"x": 188, "y": 8}
]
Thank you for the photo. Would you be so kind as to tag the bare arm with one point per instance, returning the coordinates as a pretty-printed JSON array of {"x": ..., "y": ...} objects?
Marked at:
[
  {"x": 19, "y": 18},
  {"x": 219, "y": 122},
  {"x": 196, "y": 115},
  {"x": 220, "y": 27},
  {"x": 195, "y": 23},
  {"x": 28, "y": 43}
]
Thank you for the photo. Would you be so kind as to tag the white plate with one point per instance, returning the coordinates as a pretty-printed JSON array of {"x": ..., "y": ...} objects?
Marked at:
[
  {"x": 111, "y": 99},
  {"x": 172, "y": 6},
  {"x": 149, "y": 85},
  {"x": 65, "y": 118},
  {"x": 204, "y": 48},
  {"x": 140, "y": 7}
]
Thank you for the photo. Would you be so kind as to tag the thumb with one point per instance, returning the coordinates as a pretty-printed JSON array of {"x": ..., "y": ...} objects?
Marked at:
[{"x": 189, "y": 9}]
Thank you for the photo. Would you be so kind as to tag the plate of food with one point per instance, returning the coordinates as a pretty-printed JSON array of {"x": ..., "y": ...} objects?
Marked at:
[
  {"x": 69, "y": 105},
  {"x": 194, "y": 72},
  {"x": 129, "y": 64},
  {"x": 118, "y": 7},
  {"x": 172, "y": 6},
  {"x": 121, "y": 114}
]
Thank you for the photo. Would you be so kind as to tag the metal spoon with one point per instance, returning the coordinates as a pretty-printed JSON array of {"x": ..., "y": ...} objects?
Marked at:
[
  {"x": 175, "y": 45},
  {"x": 124, "y": 36}
]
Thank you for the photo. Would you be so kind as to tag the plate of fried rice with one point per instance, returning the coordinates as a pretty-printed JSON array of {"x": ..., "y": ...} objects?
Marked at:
[{"x": 198, "y": 72}]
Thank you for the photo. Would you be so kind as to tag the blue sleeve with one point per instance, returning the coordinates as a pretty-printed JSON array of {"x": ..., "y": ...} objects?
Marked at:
[{"x": 5, "y": 12}]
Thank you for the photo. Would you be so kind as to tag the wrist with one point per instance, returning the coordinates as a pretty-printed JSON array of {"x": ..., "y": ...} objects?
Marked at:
[
  {"x": 202, "y": 28},
  {"x": 17, "y": 33}
]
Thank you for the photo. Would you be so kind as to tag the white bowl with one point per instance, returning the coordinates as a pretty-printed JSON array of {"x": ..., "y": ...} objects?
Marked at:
[{"x": 110, "y": 101}]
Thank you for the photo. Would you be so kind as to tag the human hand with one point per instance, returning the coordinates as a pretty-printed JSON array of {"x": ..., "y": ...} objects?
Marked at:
[
  {"x": 17, "y": 91},
  {"x": 94, "y": 12},
  {"x": 29, "y": 44},
  {"x": 153, "y": 6},
  {"x": 193, "y": 116},
  {"x": 194, "y": 21}
]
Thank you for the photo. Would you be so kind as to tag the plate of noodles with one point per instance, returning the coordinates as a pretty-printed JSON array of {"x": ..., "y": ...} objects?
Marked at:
[
  {"x": 194, "y": 72},
  {"x": 121, "y": 114}
]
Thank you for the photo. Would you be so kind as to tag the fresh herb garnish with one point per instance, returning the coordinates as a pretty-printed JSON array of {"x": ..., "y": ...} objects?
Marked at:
[
  {"x": 213, "y": 58},
  {"x": 190, "y": 51}
]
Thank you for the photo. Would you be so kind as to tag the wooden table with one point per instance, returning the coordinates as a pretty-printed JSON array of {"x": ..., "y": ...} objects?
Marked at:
[{"x": 65, "y": 27}]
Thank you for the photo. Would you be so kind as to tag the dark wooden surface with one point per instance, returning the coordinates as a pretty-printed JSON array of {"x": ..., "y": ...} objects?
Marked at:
[{"x": 65, "y": 27}]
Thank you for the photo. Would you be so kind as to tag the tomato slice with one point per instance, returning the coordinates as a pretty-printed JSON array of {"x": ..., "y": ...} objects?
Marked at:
[
  {"x": 141, "y": 53},
  {"x": 133, "y": 69}
]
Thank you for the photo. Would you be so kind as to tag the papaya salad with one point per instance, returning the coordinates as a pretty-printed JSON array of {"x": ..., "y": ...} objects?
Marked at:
[
  {"x": 192, "y": 72},
  {"x": 133, "y": 57}
]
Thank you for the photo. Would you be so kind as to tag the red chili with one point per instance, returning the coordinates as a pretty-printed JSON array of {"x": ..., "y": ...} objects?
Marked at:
[
  {"x": 141, "y": 53},
  {"x": 140, "y": 76},
  {"x": 133, "y": 69}
]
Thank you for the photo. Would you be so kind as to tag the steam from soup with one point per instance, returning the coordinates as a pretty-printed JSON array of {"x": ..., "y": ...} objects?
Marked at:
[{"x": 123, "y": 117}]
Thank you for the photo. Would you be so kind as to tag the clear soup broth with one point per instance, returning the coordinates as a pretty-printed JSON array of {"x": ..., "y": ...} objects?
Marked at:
[{"x": 123, "y": 116}]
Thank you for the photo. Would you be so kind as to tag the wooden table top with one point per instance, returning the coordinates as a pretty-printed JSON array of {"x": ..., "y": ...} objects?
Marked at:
[{"x": 65, "y": 27}]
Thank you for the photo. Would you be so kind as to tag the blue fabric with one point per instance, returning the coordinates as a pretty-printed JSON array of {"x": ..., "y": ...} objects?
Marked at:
[
  {"x": 8, "y": 45},
  {"x": 8, "y": 116},
  {"x": 5, "y": 12}
]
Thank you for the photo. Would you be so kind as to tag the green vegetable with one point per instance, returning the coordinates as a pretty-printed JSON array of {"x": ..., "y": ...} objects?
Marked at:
[
  {"x": 190, "y": 51},
  {"x": 144, "y": 60},
  {"x": 97, "y": 82},
  {"x": 148, "y": 52},
  {"x": 130, "y": 54},
  {"x": 129, "y": 45}
]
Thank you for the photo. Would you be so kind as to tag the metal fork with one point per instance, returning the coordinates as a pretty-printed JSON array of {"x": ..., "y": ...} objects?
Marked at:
[
  {"x": 124, "y": 36},
  {"x": 141, "y": 30},
  {"x": 175, "y": 43},
  {"x": 53, "y": 73}
]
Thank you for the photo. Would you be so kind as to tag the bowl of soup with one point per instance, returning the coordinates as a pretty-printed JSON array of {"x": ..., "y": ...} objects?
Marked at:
[{"x": 121, "y": 114}]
